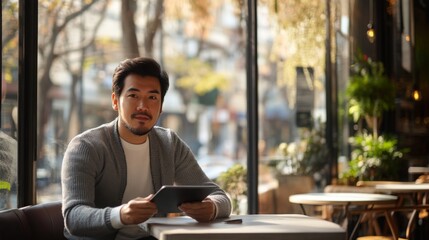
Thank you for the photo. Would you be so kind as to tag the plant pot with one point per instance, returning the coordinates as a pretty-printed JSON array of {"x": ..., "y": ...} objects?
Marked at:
[{"x": 289, "y": 185}]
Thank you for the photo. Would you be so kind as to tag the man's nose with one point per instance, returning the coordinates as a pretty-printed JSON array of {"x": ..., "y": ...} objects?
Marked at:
[{"x": 141, "y": 105}]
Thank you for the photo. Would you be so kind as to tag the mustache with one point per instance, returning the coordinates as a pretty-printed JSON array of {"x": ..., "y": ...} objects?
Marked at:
[{"x": 141, "y": 114}]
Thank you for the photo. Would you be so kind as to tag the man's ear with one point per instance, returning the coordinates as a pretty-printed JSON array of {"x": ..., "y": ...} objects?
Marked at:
[{"x": 115, "y": 102}]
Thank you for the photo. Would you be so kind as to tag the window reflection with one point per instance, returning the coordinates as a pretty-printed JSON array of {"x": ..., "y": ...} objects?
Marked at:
[{"x": 9, "y": 86}]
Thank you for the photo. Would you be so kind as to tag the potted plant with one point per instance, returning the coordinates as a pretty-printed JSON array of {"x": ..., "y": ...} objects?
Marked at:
[
  {"x": 299, "y": 166},
  {"x": 374, "y": 159},
  {"x": 305, "y": 157},
  {"x": 234, "y": 182},
  {"x": 373, "y": 156},
  {"x": 370, "y": 91}
]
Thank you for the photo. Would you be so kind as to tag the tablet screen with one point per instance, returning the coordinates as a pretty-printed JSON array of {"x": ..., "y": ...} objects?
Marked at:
[{"x": 169, "y": 197}]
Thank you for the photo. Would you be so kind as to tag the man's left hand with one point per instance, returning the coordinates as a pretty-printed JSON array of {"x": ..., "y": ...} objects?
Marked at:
[{"x": 201, "y": 211}]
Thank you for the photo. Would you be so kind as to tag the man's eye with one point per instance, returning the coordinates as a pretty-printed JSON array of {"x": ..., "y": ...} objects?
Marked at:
[
  {"x": 132, "y": 95},
  {"x": 153, "y": 97}
]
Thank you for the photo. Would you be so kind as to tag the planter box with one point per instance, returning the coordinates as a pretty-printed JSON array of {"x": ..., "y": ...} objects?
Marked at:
[{"x": 289, "y": 185}]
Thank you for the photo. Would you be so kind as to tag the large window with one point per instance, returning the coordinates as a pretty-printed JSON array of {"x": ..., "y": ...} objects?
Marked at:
[{"x": 202, "y": 45}]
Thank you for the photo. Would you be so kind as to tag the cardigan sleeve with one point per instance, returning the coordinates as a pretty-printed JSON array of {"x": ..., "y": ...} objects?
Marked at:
[
  {"x": 186, "y": 169},
  {"x": 93, "y": 179}
]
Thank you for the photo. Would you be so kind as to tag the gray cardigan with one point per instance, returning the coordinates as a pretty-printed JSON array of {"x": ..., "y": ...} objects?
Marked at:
[{"x": 94, "y": 171}]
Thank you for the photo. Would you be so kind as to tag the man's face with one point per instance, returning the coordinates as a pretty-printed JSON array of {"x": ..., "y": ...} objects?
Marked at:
[{"x": 138, "y": 106}]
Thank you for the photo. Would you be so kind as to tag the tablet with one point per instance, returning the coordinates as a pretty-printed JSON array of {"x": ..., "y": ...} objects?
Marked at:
[{"x": 169, "y": 197}]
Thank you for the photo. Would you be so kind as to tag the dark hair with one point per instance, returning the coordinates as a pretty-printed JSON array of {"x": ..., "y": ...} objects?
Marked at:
[{"x": 143, "y": 67}]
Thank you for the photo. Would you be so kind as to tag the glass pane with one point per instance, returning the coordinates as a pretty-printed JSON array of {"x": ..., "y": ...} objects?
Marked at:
[
  {"x": 200, "y": 44},
  {"x": 291, "y": 64},
  {"x": 343, "y": 66},
  {"x": 8, "y": 132}
]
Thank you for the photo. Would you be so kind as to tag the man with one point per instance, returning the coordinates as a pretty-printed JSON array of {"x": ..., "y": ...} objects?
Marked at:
[{"x": 110, "y": 172}]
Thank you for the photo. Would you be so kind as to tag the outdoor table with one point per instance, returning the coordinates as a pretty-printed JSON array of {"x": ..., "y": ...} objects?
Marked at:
[
  {"x": 416, "y": 193},
  {"x": 366, "y": 200},
  {"x": 410, "y": 187},
  {"x": 248, "y": 227}
]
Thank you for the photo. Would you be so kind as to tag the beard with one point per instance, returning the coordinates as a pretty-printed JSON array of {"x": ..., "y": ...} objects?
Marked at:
[{"x": 137, "y": 131}]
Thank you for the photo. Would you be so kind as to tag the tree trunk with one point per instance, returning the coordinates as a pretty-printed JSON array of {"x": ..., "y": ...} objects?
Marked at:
[
  {"x": 129, "y": 37},
  {"x": 152, "y": 26}
]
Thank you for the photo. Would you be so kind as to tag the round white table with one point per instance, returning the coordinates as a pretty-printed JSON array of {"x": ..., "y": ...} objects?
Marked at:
[
  {"x": 342, "y": 198},
  {"x": 418, "y": 170},
  {"x": 367, "y": 200},
  {"x": 393, "y": 188}
]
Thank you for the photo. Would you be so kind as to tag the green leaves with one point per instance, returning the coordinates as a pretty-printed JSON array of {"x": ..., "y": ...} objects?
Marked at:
[
  {"x": 370, "y": 91},
  {"x": 199, "y": 76},
  {"x": 307, "y": 156},
  {"x": 234, "y": 182},
  {"x": 374, "y": 158}
]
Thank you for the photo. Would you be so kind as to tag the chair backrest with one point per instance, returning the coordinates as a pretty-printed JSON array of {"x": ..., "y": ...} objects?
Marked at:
[
  {"x": 14, "y": 225},
  {"x": 42, "y": 221},
  {"x": 46, "y": 220},
  {"x": 374, "y": 183}
]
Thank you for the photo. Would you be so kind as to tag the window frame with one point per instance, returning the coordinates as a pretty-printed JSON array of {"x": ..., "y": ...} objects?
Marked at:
[{"x": 27, "y": 102}]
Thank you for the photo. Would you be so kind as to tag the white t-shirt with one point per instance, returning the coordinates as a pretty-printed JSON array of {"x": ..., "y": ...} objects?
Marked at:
[
  {"x": 139, "y": 184},
  {"x": 139, "y": 178}
]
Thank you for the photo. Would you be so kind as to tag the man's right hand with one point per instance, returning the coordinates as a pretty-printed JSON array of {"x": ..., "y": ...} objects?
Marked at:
[{"x": 138, "y": 210}]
